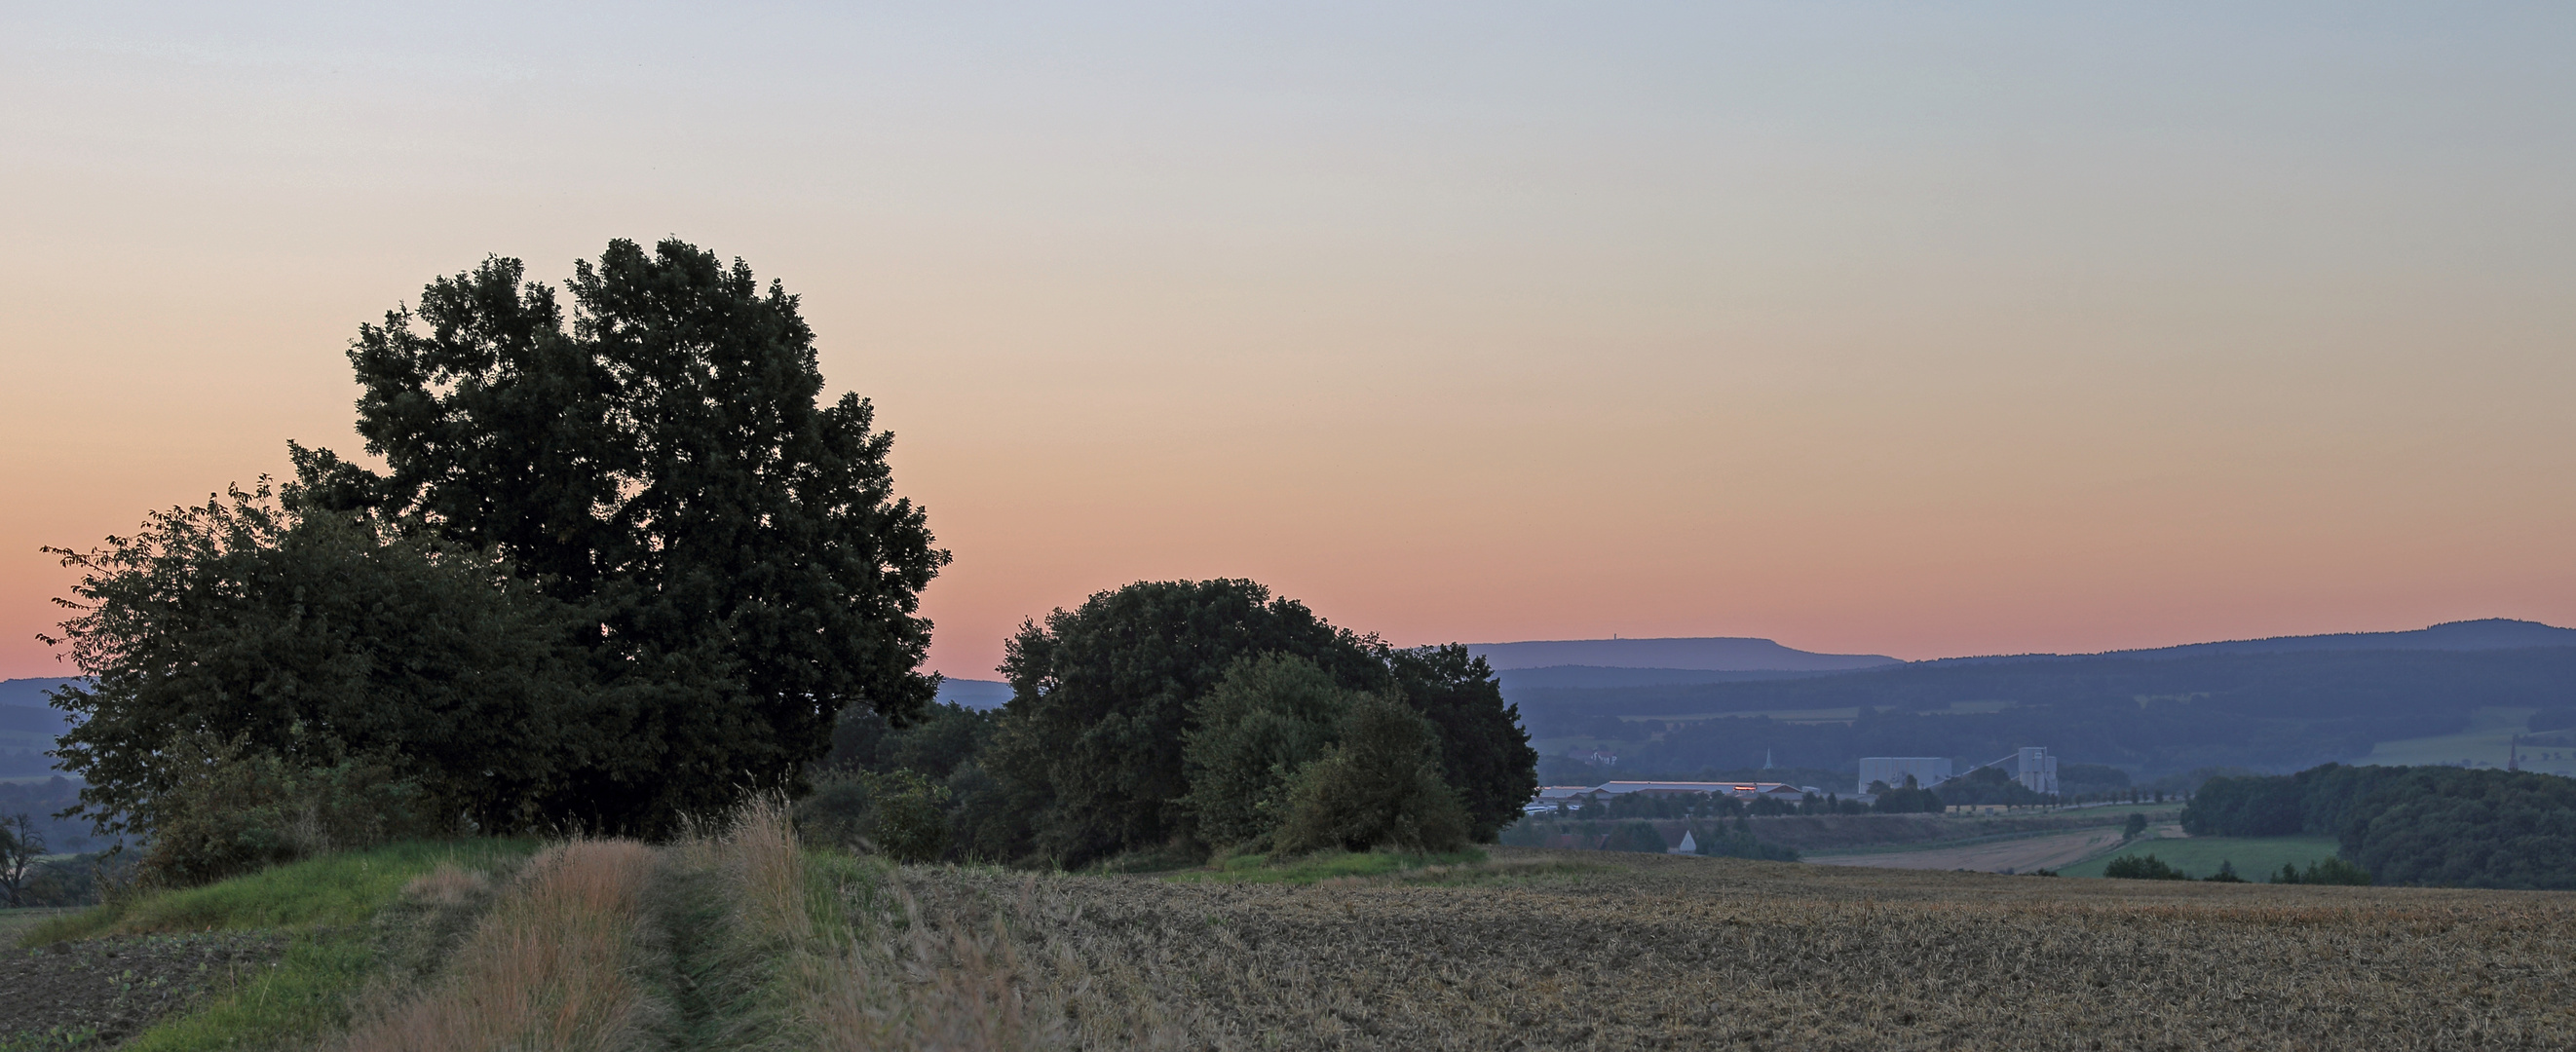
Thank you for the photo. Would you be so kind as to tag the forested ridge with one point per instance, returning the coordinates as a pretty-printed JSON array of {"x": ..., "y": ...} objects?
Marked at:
[{"x": 2153, "y": 715}]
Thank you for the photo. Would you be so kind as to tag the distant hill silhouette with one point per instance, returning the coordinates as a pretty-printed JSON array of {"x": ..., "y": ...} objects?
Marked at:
[
  {"x": 974, "y": 693},
  {"x": 1711, "y": 654},
  {"x": 23, "y": 707},
  {"x": 2494, "y": 633},
  {"x": 1586, "y": 676}
]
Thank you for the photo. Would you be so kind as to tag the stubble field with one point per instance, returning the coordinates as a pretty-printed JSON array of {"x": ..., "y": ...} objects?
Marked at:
[{"x": 1547, "y": 950}]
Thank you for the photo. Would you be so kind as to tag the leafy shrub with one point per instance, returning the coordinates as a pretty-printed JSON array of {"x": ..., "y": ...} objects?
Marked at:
[
  {"x": 1380, "y": 786},
  {"x": 909, "y": 817},
  {"x": 1635, "y": 836},
  {"x": 2142, "y": 867},
  {"x": 900, "y": 813},
  {"x": 228, "y": 809},
  {"x": 2226, "y": 874},
  {"x": 2136, "y": 824},
  {"x": 835, "y": 814},
  {"x": 1908, "y": 800},
  {"x": 299, "y": 634},
  {"x": 1269, "y": 717}
]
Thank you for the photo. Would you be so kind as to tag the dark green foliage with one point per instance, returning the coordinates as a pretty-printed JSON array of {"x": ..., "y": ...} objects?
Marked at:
[
  {"x": 1989, "y": 785},
  {"x": 2142, "y": 867},
  {"x": 1268, "y": 718},
  {"x": 2323, "y": 871},
  {"x": 2248, "y": 806},
  {"x": 835, "y": 814},
  {"x": 1635, "y": 836},
  {"x": 2090, "y": 779},
  {"x": 936, "y": 742},
  {"x": 311, "y": 639},
  {"x": 900, "y": 813},
  {"x": 908, "y": 818},
  {"x": 2136, "y": 824},
  {"x": 1380, "y": 787},
  {"x": 2226, "y": 873},
  {"x": 221, "y": 808},
  {"x": 2440, "y": 826},
  {"x": 1484, "y": 752},
  {"x": 939, "y": 746},
  {"x": 1092, "y": 738},
  {"x": 663, "y": 463},
  {"x": 1909, "y": 799}
]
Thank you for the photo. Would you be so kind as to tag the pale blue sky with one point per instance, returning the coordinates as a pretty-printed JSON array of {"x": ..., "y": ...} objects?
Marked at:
[{"x": 1890, "y": 328}]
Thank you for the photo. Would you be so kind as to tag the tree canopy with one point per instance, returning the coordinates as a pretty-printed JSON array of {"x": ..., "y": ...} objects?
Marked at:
[
  {"x": 1095, "y": 728},
  {"x": 1111, "y": 699},
  {"x": 661, "y": 461},
  {"x": 621, "y": 565}
]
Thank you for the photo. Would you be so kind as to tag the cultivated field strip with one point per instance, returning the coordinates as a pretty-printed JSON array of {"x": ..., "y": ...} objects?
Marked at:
[{"x": 1648, "y": 952}]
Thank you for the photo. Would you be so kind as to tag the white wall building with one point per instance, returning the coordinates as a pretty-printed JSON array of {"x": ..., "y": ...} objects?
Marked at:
[{"x": 2037, "y": 771}]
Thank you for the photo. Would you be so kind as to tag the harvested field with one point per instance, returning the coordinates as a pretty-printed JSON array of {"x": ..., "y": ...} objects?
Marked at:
[
  {"x": 1809, "y": 833},
  {"x": 2020, "y": 854},
  {"x": 1590, "y": 950},
  {"x": 102, "y": 991}
]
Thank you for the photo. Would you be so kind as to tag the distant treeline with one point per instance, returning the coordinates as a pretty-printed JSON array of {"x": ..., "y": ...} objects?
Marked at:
[
  {"x": 2255, "y": 711},
  {"x": 2440, "y": 826}
]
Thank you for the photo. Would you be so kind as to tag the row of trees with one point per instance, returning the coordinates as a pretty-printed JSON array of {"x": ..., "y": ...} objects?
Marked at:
[
  {"x": 2442, "y": 826},
  {"x": 622, "y": 565},
  {"x": 2323, "y": 871}
]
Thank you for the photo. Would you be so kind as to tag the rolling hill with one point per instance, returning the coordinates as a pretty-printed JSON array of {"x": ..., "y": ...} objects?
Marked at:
[{"x": 2274, "y": 704}]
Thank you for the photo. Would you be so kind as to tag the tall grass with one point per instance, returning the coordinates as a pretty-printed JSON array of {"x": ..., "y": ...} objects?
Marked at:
[{"x": 554, "y": 966}]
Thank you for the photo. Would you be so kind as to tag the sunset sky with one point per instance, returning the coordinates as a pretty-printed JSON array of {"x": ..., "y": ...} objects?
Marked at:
[{"x": 1894, "y": 328}]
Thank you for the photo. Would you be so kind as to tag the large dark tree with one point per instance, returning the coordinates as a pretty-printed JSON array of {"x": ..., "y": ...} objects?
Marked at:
[
  {"x": 1484, "y": 752},
  {"x": 662, "y": 462},
  {"x": 1091, "y": 742}
]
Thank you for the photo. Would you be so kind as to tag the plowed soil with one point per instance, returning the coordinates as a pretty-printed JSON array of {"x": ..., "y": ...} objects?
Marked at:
[
  {"x": 1593, "y": 950},
  {"x": 109, "y": 989}
]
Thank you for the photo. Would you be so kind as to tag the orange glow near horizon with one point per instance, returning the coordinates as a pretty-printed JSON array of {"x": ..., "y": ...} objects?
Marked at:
[{"x": 1873, "y": 335}]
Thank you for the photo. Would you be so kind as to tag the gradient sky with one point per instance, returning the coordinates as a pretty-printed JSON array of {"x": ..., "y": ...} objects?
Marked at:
[{"x": 1890, "y": 328}]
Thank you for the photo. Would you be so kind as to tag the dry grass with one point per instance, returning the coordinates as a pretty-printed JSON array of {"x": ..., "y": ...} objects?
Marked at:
[
  {"x": 1695, "y": 953},
  {"x": 554, "y": 965}
]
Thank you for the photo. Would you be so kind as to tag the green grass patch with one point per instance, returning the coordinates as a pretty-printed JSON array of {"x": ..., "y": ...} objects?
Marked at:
[
  {"x": 1308, "y": 869},
  {"x": 2255, "y": 858},
  {"x": 332, "y": 890}
]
